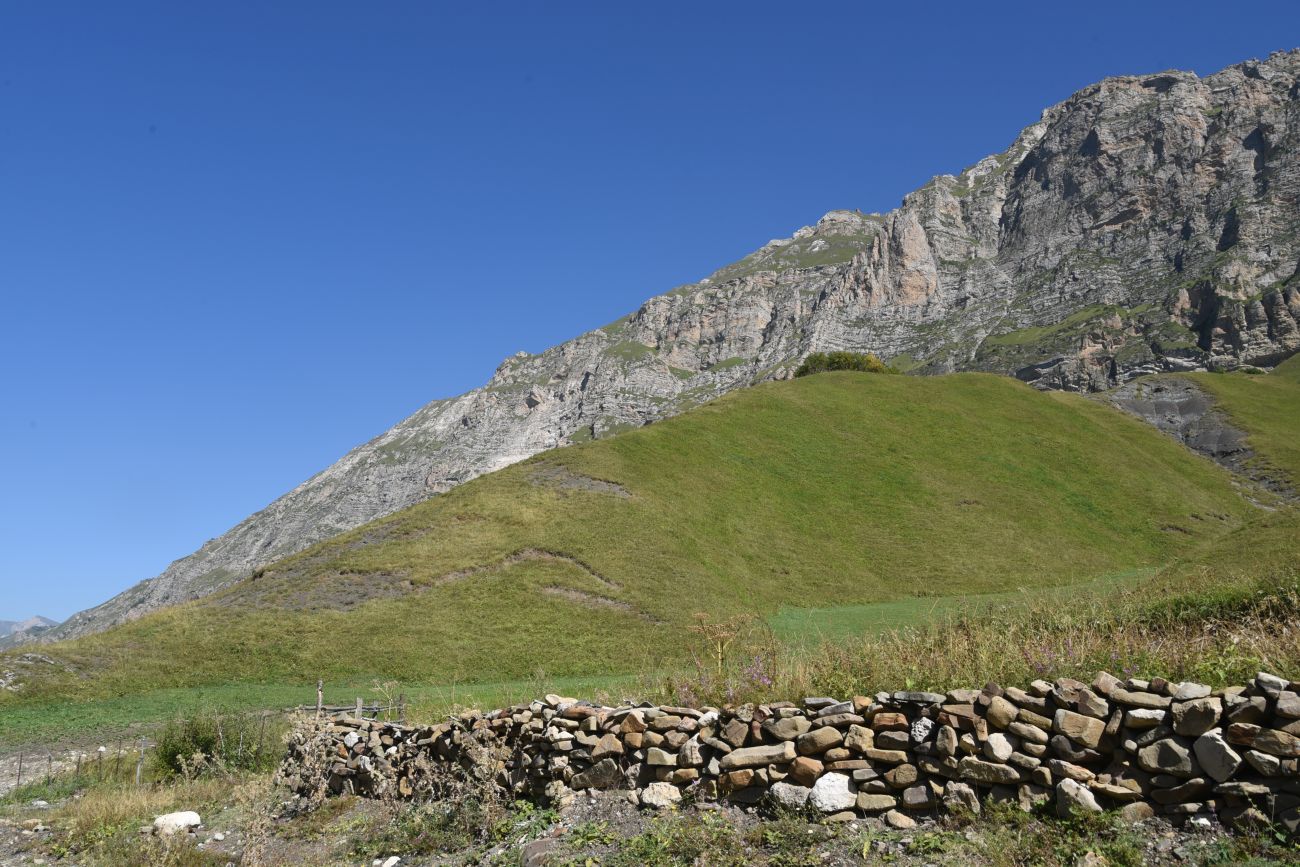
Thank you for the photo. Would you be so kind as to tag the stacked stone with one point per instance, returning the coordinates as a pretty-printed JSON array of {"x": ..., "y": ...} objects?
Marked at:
[
  {"x": 347, "y": 754},
  {"x": 1144, "y": 747}
]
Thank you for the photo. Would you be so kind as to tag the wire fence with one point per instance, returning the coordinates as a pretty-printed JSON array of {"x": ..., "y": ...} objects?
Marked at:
[{"x": 33, "y": 765}]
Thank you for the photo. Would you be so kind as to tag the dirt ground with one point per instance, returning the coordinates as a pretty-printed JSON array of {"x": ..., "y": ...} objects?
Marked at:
[{"x": 608, "y": 829}]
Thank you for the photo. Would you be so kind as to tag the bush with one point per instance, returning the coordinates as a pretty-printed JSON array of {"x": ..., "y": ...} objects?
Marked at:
[
  {"x": 207, "y": 741},
  {"x": 865, "y": 362}
]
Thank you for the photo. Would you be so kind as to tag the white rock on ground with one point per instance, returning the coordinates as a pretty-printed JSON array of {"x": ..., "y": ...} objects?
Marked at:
[{"x": 170, "y": 823}]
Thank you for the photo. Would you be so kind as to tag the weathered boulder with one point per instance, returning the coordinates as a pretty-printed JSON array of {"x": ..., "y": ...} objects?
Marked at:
[
  {"x": 805, "y": 770},
  {"x": 869, "y": 803},
  {"x": 605, "y": 774},
  {"x": 1072, "y": 797},
  {"x": 790, "y": 796},
  {"x": 1001, "y": 712},
  {"x": 818, "y": 741},
  {"x": 660, "y": 795},
  {"x": 998, "y": 748},
  {"x": 959, "y": 797},
  {"x": 991, "y": 773},
  {"x": 1168, "y": 756},
  {"x": 1197, "y": 716},
  {"x": 1077, "y": 727},
  {"x": 1216, "y": 757}
]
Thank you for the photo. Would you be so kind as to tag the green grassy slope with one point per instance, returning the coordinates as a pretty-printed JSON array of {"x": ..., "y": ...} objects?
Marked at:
[{"x": 832, "y": 490}]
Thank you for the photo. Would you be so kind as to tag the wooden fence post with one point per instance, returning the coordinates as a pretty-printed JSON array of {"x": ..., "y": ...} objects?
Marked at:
[
  {"x": 19, "y": 784},
  {"x": 139, "y": 763},
  {"x": 49, "y": 767},
  {"x": 401, "y": 708},
  {"x": 359, "y": 708},
  {"x": 261, "y": 732},
  {"x": 320, "y": 697}
]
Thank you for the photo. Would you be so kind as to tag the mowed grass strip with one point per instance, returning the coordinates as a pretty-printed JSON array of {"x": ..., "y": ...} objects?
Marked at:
[
  {"x": 36, "y": 727},
  {"x": 809, "y": 627},
  {"x": 830, "y": 490}
]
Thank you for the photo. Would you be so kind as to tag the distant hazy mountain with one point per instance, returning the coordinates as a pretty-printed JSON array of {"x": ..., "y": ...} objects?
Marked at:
[{"x": 23, "y": 629}]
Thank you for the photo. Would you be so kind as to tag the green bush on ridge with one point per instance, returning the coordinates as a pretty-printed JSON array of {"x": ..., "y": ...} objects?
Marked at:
[{"x": 864, "y": 362}]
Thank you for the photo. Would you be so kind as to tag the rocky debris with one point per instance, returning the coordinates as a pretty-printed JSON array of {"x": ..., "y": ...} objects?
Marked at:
[
  {"x": 1181, "y": 408},
  {"x": 11, "y": 679},
  {"x": 1144, "y": 225},
  {"x": 894, "y": 754}
]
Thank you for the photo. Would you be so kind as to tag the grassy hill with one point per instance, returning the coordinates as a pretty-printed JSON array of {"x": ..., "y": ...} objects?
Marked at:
[{"x": 826, "y": 492}]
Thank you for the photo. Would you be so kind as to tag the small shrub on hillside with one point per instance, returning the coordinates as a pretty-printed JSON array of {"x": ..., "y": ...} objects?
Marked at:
[
  {"x": 865, "y": 362},
  {"x": 210, "y": 742}
]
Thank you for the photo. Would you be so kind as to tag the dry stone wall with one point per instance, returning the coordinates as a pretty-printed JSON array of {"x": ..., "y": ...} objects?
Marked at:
[{"x": 1143, "y": 747}]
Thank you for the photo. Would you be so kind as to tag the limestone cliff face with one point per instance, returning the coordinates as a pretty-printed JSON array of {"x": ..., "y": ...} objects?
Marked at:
[{"x": 1145, "y": 224}]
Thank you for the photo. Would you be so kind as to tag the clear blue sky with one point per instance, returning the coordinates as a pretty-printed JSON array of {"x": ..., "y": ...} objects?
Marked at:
[{"x": 237, "y": 238}]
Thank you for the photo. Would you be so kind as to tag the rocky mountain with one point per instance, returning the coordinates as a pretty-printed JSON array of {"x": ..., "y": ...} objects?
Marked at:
[
  {"x": 19, "y": 631},
  {"x": 9, "y": 627},
  {"x": 1147, "y": 223}
]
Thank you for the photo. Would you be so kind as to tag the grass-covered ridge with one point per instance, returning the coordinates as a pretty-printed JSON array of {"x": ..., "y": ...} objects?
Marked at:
[{"x": 831, "y": 490}]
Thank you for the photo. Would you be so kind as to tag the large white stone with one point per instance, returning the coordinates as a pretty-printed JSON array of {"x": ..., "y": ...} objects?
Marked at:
[
  {"x": 833, "y": 793},
  {"x": 170, "y": 823}
]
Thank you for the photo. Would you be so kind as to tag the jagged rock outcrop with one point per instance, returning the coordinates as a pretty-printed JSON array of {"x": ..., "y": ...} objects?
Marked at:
[{"x": 1147, "y": 223}]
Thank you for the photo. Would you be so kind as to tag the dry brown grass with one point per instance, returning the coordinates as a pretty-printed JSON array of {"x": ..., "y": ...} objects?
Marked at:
[
  {"x": 1205, "y": 621},
  {"x": 103, "y": 824}
]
